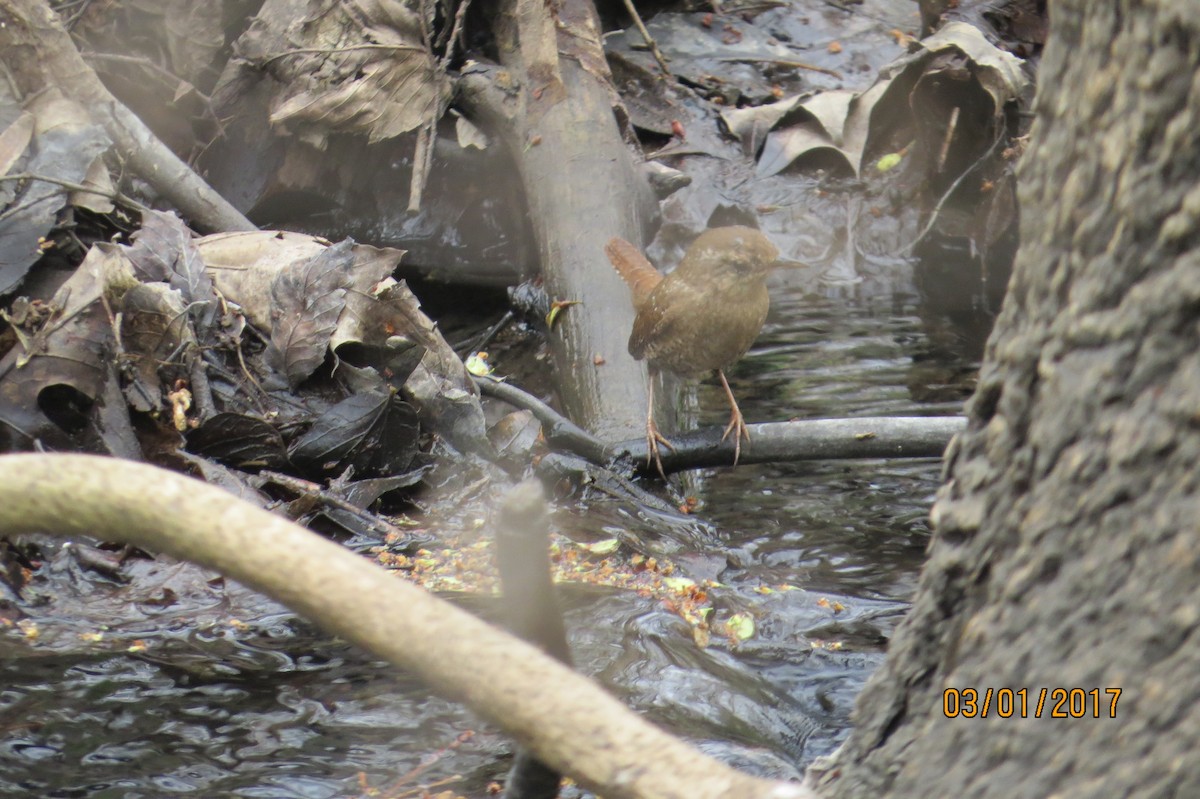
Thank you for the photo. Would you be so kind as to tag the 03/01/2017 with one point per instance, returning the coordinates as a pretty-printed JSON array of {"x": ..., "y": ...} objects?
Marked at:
[{"x": 1055, "y": 703}]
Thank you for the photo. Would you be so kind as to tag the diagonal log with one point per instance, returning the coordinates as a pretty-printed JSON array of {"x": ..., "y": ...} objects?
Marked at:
[{"x": 38, "y": 53}]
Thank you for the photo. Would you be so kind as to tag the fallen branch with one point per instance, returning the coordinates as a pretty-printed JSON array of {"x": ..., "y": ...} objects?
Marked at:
[
  {"x": 39, "y": 53},
  {"x": 551, "y": 106},
  {"x": 315, "y": 492},
  {"x": 807, "y": 440},
  {"x": 560, "y": 432},
  {"x": 564, "y": 718}
]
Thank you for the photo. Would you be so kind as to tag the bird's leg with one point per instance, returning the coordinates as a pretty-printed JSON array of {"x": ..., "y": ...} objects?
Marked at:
[
  {"x": 653, "y": 437},
  {"x": 737, "y": 425}
]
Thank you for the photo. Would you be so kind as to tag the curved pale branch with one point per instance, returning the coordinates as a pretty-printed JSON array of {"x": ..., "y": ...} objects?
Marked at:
[{"x": 563, "y": 717}]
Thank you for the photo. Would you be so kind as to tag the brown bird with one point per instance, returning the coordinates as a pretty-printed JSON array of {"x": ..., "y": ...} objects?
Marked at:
[{"x": 700, "y": 318}]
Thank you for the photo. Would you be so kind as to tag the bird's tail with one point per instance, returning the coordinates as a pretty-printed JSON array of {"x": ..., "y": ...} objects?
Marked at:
[{"x": 634, "y": 269}]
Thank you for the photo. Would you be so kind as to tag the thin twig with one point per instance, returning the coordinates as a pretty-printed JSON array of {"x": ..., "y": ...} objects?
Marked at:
[
  {"x": 559, "y": 430},
  {"x": 783, "y": 62},
  {"x": 114, "y": 195},
  {"x": 118, "y": 420},
  {"x": 69, "y": 22},
  {"x": 949, "y": 137},
  {"x": 422, "y": 161},
  {"x": 455, "y": 32},
  {"x": 206, "y": 408},
  {"x": 310, "y": 489},
  {"x": 246, "y": 371},
  {"x": 937, "y": 209},
  {"x": 212, "y": 364},
  {"x": 483, "y": 340},
  {"x": 424, "y": 13},
  {"x": 335, "y": 50},
  {"x": 637, "y": 20},
  {"x": 13, "y": 89}
]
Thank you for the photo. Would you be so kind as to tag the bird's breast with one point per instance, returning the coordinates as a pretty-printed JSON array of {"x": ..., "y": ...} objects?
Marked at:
[{"x": 692, "y": 331}]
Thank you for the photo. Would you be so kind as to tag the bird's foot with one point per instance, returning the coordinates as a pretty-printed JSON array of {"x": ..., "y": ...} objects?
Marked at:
[
  {"x": 737, "y": 424},
  {"x": 653, "y": 440}
]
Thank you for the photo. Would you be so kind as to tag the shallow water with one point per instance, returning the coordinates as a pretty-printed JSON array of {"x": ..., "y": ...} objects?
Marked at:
[
  {"x": 851, "y": 534},
  {"x": 281, "y": 711}
]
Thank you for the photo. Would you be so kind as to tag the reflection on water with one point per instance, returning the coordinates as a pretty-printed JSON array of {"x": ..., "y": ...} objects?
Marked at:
[{"x": 273, "y": 719}]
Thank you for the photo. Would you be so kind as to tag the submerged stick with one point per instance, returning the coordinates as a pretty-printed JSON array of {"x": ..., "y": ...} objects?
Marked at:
[{"x": 531, "y": 605}]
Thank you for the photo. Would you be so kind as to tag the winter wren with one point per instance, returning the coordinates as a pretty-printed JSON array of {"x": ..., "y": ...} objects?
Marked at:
[{"x": 700, "y": 318}]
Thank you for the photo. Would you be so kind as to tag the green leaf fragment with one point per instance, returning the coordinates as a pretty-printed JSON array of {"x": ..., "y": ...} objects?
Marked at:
[
  {"x": 605, "y": 547},
  {"x": 740, "y": 626},
  {"x": 888, "y": 162}
]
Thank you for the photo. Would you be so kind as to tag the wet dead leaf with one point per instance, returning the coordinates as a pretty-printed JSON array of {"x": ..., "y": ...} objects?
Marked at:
[
  {"x": 195, "y": 33},
  {"x": 240, "y": 441},
  {"x": 478, "y": 365},
  {"x": 346, "y": 66},
  {"x": 99, "y": 201},
  {"x": 155, "y": 333},
  {"x": 888, "y": 162},
  {"x": 515, "y": 436},
  {"x": 740, "y": 626},
  {"x": 307, "y": 299},
  {"x": 468, "y": 134},
  {"x": 372, "y": 431},
  {"x": 556, "y": 308},
  {"x": 244, "y": 265},
  {"x": 164, "y": 250},
  {"x": 64, "y": 352},
  {"x": 14, "y": 141},
  {"x": 605, "y": 547},
  {"x": 63, "y": 144},
  {"x": 997, "y": 71}
]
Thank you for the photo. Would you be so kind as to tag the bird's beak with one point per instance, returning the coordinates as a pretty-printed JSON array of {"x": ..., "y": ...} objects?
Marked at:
[{"x": 784, "y": 263}]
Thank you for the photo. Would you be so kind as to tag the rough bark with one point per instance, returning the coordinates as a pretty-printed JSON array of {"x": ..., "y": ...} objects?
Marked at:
[
  {"x": 1065, "y": 551},
  {"x": 564, "y": 718},
  {"x": 552, "y": 106}
]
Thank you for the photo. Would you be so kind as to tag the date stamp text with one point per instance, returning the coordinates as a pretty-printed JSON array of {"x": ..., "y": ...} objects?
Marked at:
[{"x": 1021, "y": 703}]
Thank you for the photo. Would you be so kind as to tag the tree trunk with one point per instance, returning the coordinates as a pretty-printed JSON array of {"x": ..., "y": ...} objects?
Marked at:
[
  {"x": 552, "y": 104},
  {"x": 1065, "y": 553}
]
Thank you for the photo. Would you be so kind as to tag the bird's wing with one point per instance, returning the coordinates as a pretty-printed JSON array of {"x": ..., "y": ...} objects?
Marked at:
[{"x": 653, "y": 328}]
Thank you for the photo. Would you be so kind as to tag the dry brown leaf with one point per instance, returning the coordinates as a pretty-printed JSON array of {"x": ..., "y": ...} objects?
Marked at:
[{"x": 348, "y": 66}]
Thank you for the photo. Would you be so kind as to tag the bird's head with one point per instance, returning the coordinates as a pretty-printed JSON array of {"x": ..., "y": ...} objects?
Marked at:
[{"x": 739, "y": 249}]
